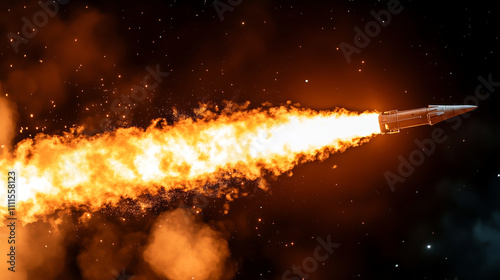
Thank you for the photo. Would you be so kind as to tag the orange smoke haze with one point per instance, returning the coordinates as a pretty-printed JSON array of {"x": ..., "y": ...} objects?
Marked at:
[
  {"x": 73, "y": 49},
  {"x": 181, "y": 247},
  {"x": 8, "y": 117},
  {"x": 107, "y": 250},
  {"x": 57, "y": 172},
  {"x": 43, "y": 246}
]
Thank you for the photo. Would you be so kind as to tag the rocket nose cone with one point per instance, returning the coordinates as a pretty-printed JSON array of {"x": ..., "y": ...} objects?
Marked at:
[
  {"x": 464, "y": 109},
  {"x": 469, "y": 108},
  {"x": 460, "y": 109},
  {"x": 455, "y": 110}
]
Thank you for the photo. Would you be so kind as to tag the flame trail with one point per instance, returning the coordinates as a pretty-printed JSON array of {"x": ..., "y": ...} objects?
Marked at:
[{"x": 57, "y": 172}]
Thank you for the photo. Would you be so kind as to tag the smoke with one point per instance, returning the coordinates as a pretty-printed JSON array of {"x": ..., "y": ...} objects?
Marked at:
[
  {"x": 107, "y": 250},
  {"x": 181, "y": 247},
  {"x": 486, "y": 234},
  {"x": 40, "y": 251},
  {"x": 8, "y": 117},
  {"x": 471, "y": 227},
  {"x": 78, "y": 50}
]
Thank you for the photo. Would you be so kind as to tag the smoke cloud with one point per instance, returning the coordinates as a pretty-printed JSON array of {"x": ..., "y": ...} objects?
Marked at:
[
  {"x": 8, "y": 116},
  {"x": 40, "y": 251},
  {"x": 107, "y": 251},
  {"x": 79, "y": 50},
  {"x": 182, "y": 247}
]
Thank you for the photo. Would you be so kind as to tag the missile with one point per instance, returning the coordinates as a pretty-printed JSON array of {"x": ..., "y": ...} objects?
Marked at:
[{"x": 393, "y": 121}]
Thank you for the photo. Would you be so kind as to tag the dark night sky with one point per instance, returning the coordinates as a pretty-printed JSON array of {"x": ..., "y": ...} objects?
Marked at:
[{"x": 442, "y": 222}]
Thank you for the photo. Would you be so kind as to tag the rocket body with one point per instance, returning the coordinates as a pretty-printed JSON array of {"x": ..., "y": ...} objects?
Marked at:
[{"x": 393, "y": 121}]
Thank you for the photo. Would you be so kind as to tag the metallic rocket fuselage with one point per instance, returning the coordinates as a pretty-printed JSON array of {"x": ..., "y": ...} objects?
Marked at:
[{"x": 393, "y": 121}]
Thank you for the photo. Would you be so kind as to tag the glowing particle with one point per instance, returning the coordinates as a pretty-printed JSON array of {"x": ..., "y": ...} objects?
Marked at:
[
  {"x": 428, "y": 246},
  {"x": 154, "y": 154}
]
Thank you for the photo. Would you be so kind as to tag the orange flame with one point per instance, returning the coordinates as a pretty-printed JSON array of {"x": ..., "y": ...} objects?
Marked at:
[{"x": 72, "y": 170}]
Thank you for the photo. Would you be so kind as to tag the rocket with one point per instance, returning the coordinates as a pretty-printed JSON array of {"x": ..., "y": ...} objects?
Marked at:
[{"x": 393, "y": 121}]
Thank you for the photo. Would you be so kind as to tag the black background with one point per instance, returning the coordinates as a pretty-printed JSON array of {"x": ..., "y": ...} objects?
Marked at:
[{"x": 430, "y": 53}]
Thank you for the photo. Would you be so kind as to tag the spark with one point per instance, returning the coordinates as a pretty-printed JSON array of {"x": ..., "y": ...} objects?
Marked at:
[{"x": 58, "y": 171}]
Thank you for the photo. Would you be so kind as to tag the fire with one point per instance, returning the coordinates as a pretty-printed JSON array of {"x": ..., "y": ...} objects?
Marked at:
[{"x": 56, "y": 172}]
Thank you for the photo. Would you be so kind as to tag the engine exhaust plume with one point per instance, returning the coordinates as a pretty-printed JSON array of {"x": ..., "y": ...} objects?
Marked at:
[{"x": 72, "y": 170}]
